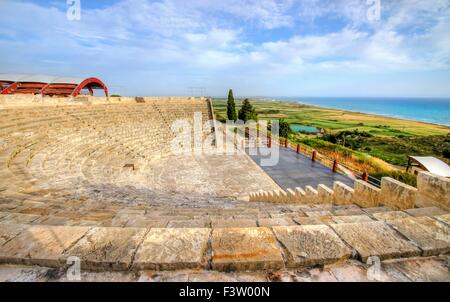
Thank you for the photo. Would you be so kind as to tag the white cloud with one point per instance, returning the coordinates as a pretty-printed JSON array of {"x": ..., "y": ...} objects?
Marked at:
[{"x": 207, "y": 38}]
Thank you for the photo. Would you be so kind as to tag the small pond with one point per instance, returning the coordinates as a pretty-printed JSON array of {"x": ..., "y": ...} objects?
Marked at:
[{"x": 301, "y": 128}]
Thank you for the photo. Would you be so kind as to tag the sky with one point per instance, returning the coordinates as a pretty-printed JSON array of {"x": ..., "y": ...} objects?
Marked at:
[{"x": 320, "y": 48}]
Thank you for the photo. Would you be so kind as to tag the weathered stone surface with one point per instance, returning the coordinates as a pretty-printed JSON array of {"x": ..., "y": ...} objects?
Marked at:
[
  {"x": 444, "y": 218},
  {"x": 170, "y": 249},
  {"x": 324, "y": 194},
  {"x": 433, "y": 237},
  {"x": 311, "y": 195},
  {"x": 245, "y": 249},
  {"x": 386, "y": 216},
  {"x": 419, "y": 270},
  {"x": 343, "y": 194},
  {"x": 429, "y": 211},
  {"x": 318, "y": 213},
  {"x": 192, "y": 223},
  {"x": 314, "y": 220},
  {"x": 315, "y": 275},
  {"x": 376, "y": 210},
  {"x": 145, "y": 222},
  {"x": 433, "y": 190},
  {"x": 269, "y": 222},
  {"x": 41, "y": 245},
  {"x": 350, "y": 272},
  {"x": 375, "y": 239},
  {"x": 311, "y": 245},
  {"x": 9, "y": 231},
  {"x": 16, "y": 273},
  {"x": 348, "y": 212},
  {"x": 397, "y": 195},
  {"x": 351, "y": 219},
  {"x": 2, "y": 215},
  {"x": 366, "y": 195},
  {"x": 233, "y": 223},
  {"x": 17, "y": 218},
  {"x": 54, "y": 220},
  {"x": 107, "y": 248}
]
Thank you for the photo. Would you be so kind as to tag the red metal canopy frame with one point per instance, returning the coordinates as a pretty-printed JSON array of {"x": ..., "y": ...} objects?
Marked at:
[{"x": 50, "y": 89}]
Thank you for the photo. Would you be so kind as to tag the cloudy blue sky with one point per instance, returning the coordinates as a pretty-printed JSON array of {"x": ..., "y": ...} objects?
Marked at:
[{"x": 256, "y": 47}]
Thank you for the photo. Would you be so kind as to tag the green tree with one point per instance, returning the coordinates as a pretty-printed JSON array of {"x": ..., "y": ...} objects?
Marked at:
[
  {"x": 285, "y": 128},
  {"x": 231, "y": 107},
  {"x": 247, "y": 112}
]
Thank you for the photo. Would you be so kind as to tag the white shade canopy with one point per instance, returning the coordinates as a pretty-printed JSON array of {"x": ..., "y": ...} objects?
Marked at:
[{"x": 433, "y": 165}]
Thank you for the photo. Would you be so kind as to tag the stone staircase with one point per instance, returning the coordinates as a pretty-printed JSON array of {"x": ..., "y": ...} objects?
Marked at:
[{"x": 431, "y": 191}]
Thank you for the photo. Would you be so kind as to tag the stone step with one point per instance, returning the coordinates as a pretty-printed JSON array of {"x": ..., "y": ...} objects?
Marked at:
[{"x": 221, "y": 249}]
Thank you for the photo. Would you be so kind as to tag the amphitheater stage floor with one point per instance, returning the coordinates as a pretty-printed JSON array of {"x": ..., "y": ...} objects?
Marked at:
[
  {"x": 297, "y": 170},
  {"x": 218, "y": 175}
]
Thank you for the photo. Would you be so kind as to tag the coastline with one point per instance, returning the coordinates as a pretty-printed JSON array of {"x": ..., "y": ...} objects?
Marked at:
[{"x": 390, "y": 116}]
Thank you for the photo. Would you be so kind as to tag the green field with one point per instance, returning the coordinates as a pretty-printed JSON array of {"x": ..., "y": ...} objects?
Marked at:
[{"x": 389, "y": 139}]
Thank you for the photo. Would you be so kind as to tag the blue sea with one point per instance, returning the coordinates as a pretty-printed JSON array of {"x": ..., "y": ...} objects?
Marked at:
[{"x": 429, "y": 110}]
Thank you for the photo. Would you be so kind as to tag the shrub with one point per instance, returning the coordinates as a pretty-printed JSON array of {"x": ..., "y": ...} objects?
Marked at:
[
  {"x": 404, "y": 177},
  {"x": 446, "y": 153}
]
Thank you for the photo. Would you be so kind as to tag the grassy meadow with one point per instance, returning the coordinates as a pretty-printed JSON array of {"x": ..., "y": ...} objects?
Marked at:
[{"x": 375, "y": 137}]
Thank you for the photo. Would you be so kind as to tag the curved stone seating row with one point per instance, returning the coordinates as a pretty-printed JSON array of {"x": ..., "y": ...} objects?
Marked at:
[
  {"x": 431, "y": 190},
  {"x": 223, "y": 248},
  {"x": 52, "y": 144}
]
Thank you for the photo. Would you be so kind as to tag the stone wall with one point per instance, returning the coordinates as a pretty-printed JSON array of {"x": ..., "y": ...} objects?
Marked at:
[
  {"x": 366, "y": 195},
  {"x": 397, "y": 195},
  {"x": 433, "y": 190},
  {"x": 21, "y": 100}
]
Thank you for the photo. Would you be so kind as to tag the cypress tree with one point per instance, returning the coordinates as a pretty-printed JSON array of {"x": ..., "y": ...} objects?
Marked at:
[
  {"x": 285, "y": 129},
  {"x": 231, "y": 107},
  {"x": 247, "y": 112}
]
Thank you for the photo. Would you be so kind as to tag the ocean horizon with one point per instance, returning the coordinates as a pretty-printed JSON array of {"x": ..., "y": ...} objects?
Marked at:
[{"x": 429, "y": 110}]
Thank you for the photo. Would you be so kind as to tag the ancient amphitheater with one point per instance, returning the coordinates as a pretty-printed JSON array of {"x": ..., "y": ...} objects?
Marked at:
[{"x": 95, "y": 178}]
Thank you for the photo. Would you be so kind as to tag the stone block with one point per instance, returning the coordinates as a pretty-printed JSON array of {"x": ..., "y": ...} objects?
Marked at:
[
  {"x": 311, "y": 245},
  {"x": 325, "y": 194},
  {"x": 343, "y": 194},
  {"x": 429, "y": 211},
  {"x": 375, "y": 239},
  {"x": 418, "y": 270},
  {"x": 233, "y": 223},
  {"x": 192, "y": 223},
  {"x": 391, "y": 215},
  {"x": 17, "y": 218},
  {"x": 291, "y": 195},
  {"x": 311, "y": 195},
  {"x": 300, "y": 195},
  {"x": 41, "y": 245},
  {"x": 314, "y": 220},
  {"x": 348, "y": 212},
  {"x": 444, "y": 218},
  {"x": 366, "y": 195},
  {"x": 245, "y": 249},
  {"x": 430, "y": 235},
  {"x": 270, "y": 222},
  {"x": 397, "y": 195},
  {"x": 375, "y": 210},
  {"x": 351, "y": 219},
  {"x": 173, "y": 249},
  {"x": 433, "y": 190},
  {"x": 318, "y": 213},
  {"x": 107, "y": 248},
  {"x": 9, "y": 231}
]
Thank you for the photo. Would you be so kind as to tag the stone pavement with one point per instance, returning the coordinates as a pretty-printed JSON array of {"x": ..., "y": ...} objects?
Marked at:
[
  {"x": 297, "y": 170},
  {"x": 434, "y": 269}
]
